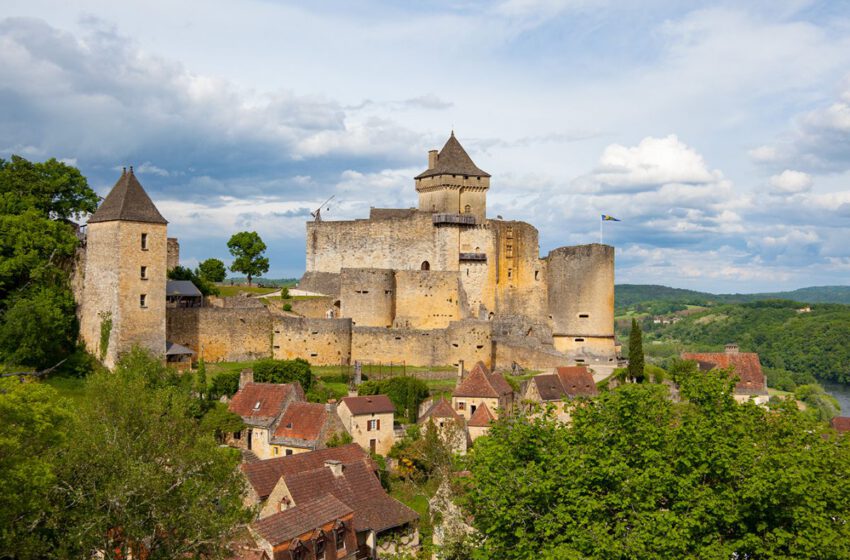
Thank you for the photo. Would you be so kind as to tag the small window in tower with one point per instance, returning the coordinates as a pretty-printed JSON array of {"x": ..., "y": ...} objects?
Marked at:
[
  {"x": 143, "y": 273},
  {"x": 143, "y": 300},
  {"x": 467, "y": 209},
  {"x": 509, "y": 250},
  {"x": 425, "y": 265},
  {"x": 510, "y": 232},
  {"x": 144, "y": 242},
  {"x": 583, "y": 315},
  {"x": 510, "y": 273},
  {"x": 537, "y": 275}
]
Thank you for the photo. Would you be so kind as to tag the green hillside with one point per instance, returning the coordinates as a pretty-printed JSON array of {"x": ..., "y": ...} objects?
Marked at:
[{"x": 629, "y": 295}]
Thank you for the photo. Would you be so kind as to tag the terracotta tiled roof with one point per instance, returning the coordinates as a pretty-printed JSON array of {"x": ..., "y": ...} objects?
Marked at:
[
  {"x": 263, "y": 475},
  {"x": 129, "y": 202},
  {"x": 302, "y": 420},
  {"x": 261, "y": 403},
  {"x": 841, "y": 423},
  {"x": 577, "y": 381},
  {"x": 481, "y": 418},
  {"x": 453, "y": 160},
  {"x": 440, "y": 409},
  {"x": 372, "y": 404},
  {"x": 549, "y": 387},
  {"x": 359, "y": 488},
  {"x": 747, "y": 368},
  {"x": 481, "y": 383},
  {"x": 303, "y": 517}
]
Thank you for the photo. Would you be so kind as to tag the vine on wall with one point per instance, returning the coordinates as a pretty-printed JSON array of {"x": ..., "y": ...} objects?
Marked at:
[{"x": 105, "y": 331}]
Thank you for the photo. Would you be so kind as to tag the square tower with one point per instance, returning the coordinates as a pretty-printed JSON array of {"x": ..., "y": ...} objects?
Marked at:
[
  {"x": 453, "y": 184},
  {"x": 125, "y": 274}
]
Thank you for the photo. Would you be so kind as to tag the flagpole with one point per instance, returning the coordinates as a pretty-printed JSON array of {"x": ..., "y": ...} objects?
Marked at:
[{"x": 600, "y": 231}]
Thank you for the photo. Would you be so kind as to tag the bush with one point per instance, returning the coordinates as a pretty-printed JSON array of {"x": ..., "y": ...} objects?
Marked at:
[
  {"x": 224, "y": 384},
  {"x": 339, "y": 439},
  {"x": 287, "y": 307},
  {"x": 406, "y": 393},
  {"x": 284, "y": 371}
]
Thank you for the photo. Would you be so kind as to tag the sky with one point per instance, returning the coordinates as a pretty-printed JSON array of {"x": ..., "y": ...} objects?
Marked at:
[{"x": 718, "y": 132}]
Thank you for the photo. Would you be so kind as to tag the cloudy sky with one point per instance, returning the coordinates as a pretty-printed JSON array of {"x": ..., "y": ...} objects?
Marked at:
[{"x": 719, "y": 133}]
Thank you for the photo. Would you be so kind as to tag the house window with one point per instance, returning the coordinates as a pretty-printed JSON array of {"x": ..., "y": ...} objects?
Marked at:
[
  {"x": 276, "y": 451},
  {"x": 372, "y": 425},
  {"x": 143, "y": 300},
  {"x": 472, "y": 409},
  {"x": 340, "y": 537},
  {"x": 461, "y": 405},
  {"x": 143, "y": 273},
  {"x": 144, "y": 242},
  {"x": 320, "y": 547},
  {"x": 510, "y": 273},
  {"x": 288, "y": 452},
  {"x": 257, "y": 405},
  {"x": 425, "y": 265}
]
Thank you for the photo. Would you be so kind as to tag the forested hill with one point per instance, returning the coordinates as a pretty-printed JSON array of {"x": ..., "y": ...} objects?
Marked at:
[{"x": 631, "y": 294}]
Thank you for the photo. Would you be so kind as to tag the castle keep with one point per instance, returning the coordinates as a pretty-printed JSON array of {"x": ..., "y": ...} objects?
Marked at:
[{"x": 431, "y": 285}]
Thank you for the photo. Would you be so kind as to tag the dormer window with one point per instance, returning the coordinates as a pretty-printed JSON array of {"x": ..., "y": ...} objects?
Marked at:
[
  {"x": 257, "y": 405},
  {"x": 339, "y": 532}
]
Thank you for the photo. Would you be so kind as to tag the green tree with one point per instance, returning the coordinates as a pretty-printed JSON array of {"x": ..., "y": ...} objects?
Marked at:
[
  {"x": 219, "y": 421},
  {"x": 406, "y": 393},
  {"x": 185, "y": 273},
  {"x": 247, "y": 249},
  {"x": 35, "y": 424},
  {"x": 224, "y": 384},
  {"x": 39, "y": 328},
  {"x": 141, "y": 474},
  {"x": 201, "y": 387},
  {"x": 55, "y": 190},
  {"x": 636, "y": 359},
  {"x": 284, "y": 371},
  {"x": 212, "y": 270}
]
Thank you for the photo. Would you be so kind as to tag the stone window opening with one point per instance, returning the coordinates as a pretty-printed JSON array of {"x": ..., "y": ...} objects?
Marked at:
[
  {"x": 579, "y": 340},
  {"x": 510, "y": 273},
  {"x": 425, "y": 265},
  {"x": 510, "y": 232},
  {"x": 467, "y": 209},
  {"x": 143, "y": 300},
  {"x": 143, "y": 273},
  {"x": 472, "y": 408},
  {"x": 144, "y": 242},
  {"x": 509, "y": 250},
  {"x": 583, "y": 315},
  {"x": 288, "y": 452},
  {"x": 537, "y": 275}
]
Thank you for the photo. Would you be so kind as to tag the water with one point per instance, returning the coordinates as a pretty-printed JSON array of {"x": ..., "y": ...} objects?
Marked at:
[{"x": 841, "y": 392}]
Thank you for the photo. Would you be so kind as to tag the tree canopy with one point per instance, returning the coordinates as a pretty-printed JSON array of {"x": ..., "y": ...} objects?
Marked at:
[
  {"x": 247, "y": 249},
  {"x": 193, "y": 276},
  {"x": 636, "y": 359},
  {"x": 638, "y": 476},
  {"x": 284, "y": 371},
  {"x": 406, "y": 393},
  {"x": 212, "y": 270}
]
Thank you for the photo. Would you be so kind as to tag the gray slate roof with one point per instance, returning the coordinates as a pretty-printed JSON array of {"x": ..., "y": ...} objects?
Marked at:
[
  {"x": 174, "y": 349},
  {"x": 183, "y": 288},
  {"x": 127, "y": 201},
  {"x": 453, "y": 160}
]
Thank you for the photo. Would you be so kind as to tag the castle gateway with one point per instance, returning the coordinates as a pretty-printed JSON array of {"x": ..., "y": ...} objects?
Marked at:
[{"x": 426, "y": 286}]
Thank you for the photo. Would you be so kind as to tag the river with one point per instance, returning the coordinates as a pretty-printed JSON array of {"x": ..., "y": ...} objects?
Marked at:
[{"x": 841, "y": 392}]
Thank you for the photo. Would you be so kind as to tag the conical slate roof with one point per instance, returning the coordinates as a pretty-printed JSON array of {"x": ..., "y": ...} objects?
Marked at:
[
  {"x": 129, "y": 202},
  {"x": 453, "y": 160}
]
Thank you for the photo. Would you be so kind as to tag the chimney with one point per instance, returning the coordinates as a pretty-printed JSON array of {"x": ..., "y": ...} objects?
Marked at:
[
  {"x": 432, "y": 159},
  {"x": 459, "y": 371},
  {"x": 246, "y": 376},
  {"x": 335, "y": 467},
  {"x": 732, "y": 348}
]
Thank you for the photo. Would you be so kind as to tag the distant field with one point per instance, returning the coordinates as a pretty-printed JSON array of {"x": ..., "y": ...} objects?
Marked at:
[{"x": 228, "y": 291}]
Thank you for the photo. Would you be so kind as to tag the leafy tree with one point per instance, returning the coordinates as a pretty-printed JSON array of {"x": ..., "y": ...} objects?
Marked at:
[
  {"x": 55, "y": 190},
  {"x": 35, "y": 423},
  {"x": 39, "y": 328},
  {"x": 224, "y": 384},
  {"x": 185, "y": 273},
  {"x": 339, "y": 439},
  {"x": 219, "y": 421},
  {"x": 201, "y": 379},
  {"x": 247, "y": 249},
  {"x": 638, "y": 476},
  {"x": 212, "y": 270},
  {"x": 636, "y": 361},
  {"x": 284, "y": 293},
  {"x": 284, "y": 371},
  {"x": 140, "y": 476},
  {"x": 406, "y": 393}
]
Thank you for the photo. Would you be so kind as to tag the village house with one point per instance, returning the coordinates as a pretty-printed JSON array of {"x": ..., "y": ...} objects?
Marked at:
[
  {"x": 751, "y": 384},
  {"x": 260, "y": 405},
  {"x": 369, "y": 420},
  {"x": 560, "y": 387},
  {"x": 304, "y": 427},
  {"x": 479, "y": 423},
  {"x": 450, "y": 425},
  {"x": 381, "y": 524},
  {"x": 481, "y": 387},
  {"x": 315, "y": 530}
]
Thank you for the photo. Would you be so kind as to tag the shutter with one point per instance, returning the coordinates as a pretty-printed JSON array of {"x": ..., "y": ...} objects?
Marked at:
[
  {"x": 378, "y": 421},
  {"x": 368, "y": 425}
]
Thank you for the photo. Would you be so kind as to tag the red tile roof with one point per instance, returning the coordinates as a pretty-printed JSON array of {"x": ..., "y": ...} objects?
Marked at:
[
  {"x": 481, "y": 383},
  {"x": 841, "y": 423},
  {"x": 372, "y": 404},
  {"x": 440, "y": 409},
  {"x": 260, "y": 403},
  {"x": 359, "y": 488},
  {"x": 306, "y": 516},
  {"x": 263, "y": 475},
  {"x": 302, "y": 420},
  {"x": 747, "y": 368},
  {"x": 577, "y": 381},
  {"x": 481, "y": 418}
]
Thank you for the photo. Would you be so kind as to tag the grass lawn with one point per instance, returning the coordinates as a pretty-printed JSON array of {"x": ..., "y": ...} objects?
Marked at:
[{"x": 227, "y": 291}]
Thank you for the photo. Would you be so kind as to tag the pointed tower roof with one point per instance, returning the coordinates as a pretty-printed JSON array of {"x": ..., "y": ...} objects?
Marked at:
[
  {"x": 127, "y": 201},
  {"x": 453, "y": 160}
]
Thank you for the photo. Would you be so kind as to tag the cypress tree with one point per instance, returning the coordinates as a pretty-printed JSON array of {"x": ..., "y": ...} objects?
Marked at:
[{"x": 635, "y": 370}]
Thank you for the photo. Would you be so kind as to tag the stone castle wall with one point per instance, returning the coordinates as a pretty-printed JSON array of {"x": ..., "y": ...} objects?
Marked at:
[
  {"x": 173, "y": 260},
  {"x": 367, "y": 296},
  {"x": 222, "y": 334},
  {"x": 426, "y": 299},
  {"x": 319, "y": 341}
]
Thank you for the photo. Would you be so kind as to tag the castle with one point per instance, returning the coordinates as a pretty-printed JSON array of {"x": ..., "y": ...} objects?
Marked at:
[{"x": 426, "y": 286}]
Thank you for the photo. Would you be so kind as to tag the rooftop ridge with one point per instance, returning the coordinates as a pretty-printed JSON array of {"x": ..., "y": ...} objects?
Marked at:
[
  {"x": 127, "y": 201},
  {"x": 453, "y": 160}
]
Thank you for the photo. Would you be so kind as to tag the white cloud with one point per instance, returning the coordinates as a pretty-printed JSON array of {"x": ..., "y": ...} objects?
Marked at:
[
  {"x": 653, "y": 162},
  {"x": 791, "y": 182},
  {"x": 763, "y": 154}
]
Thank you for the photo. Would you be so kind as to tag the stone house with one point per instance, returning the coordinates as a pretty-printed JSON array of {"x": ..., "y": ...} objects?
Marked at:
[
  {"x": 261, "y": 406},
  {"x": 314, "y": 530},
  {"x": 381, "y": 524},
  {"x": 479, "y": 423},
  {"x": 482, "y": 387},
  {"x": 369, "y": 420},
  {"x": 751, "y": 385},
  {"x": 558, "y": 388},
  {"x": 450, "y": 425},
  {"x": 304, "y": 427}
]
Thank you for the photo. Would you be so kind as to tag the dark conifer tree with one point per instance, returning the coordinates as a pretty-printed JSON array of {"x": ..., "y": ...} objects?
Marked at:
[{"x": 636, "y": 362}]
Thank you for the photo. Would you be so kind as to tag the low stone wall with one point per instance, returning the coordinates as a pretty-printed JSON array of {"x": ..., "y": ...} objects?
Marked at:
[
  {"x": 326, "y": 283},
  {"x": 221, "y": 334},
  {"x": 321, "y": 342}
]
